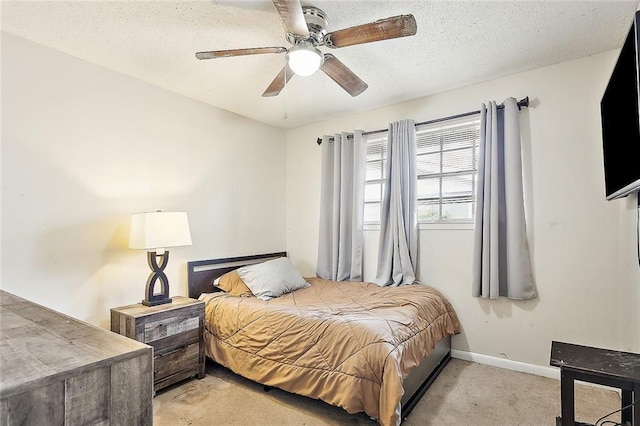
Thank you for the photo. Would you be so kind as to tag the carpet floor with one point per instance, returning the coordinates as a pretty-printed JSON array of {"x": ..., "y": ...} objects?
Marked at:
[{"x": 465, "y": 393}]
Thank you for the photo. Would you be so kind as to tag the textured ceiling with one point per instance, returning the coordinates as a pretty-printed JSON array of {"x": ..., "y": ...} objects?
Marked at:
[{"x": 458, "y": 43}]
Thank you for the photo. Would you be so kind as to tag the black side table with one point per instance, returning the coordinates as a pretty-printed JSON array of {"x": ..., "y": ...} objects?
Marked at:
[{"x": 602, "y": 366}]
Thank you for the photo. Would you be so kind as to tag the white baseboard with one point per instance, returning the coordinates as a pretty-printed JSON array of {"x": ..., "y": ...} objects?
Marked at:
[
  {"x": 522, "y": 367},
  {"x": 508, "y": 364}
]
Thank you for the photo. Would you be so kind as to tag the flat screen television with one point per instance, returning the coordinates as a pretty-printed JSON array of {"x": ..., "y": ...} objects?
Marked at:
[{"x": 621, "y": 120}]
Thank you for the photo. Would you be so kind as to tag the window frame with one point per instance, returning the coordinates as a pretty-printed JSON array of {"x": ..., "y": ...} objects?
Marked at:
[
  {"x": 461, "y": 123},
  {"x": 382, "y": 159}
]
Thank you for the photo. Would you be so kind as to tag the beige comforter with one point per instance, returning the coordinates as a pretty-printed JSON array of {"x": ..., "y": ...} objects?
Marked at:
[{"x": 348, "y": 344}]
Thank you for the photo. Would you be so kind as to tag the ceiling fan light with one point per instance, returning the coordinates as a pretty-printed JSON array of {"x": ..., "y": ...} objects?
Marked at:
[{"x": 304, "y": 61}]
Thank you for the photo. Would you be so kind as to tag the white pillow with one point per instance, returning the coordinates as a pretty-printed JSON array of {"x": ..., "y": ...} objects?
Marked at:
[{"x": 272, "y": 278}]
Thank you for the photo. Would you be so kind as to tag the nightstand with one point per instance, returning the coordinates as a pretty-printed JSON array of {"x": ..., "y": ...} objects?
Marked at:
[{"x": 175, "y": 332}]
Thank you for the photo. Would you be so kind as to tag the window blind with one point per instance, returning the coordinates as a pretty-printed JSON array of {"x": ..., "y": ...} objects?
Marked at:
[{"x": 447, "y": 166}]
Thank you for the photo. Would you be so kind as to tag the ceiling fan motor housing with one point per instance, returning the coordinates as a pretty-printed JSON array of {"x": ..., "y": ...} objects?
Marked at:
[{"x": 316, "y": 21}]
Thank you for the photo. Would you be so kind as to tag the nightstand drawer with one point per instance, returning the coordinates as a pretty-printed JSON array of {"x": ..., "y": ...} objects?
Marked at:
[
  {"x": 182, "y": 358},
  {"x": 157, "y": 330}
]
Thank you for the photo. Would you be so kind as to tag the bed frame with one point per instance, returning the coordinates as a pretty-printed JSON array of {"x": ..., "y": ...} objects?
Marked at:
[{"x": 201, "y": 274}]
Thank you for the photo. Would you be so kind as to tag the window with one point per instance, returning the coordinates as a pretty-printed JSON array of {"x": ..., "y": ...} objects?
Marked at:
[
  {"x": 447, "y": 167},
  {"x": 374, "y": 176}
]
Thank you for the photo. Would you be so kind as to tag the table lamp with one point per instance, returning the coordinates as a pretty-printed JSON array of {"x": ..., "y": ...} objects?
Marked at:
[{"x": 155, "y": 232}]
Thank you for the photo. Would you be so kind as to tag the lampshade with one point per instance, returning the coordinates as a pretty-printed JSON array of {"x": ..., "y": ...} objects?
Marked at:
[
  {"x": 304, "y": 60},
  {"x": 159, "y": 230}
]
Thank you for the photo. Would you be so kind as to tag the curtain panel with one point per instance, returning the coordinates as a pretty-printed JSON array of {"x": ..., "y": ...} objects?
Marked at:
[
  {"x": 398, "y": 244},
  {"x": 501, "y": 262},
  {"x": 340, "y": 242}
]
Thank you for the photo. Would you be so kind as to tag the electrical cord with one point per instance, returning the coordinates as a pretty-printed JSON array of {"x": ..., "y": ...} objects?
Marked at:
[{"x": 597, "y": 423}]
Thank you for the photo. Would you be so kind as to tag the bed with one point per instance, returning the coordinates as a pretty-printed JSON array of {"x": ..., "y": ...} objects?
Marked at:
[{"x": 347, "y": 343}]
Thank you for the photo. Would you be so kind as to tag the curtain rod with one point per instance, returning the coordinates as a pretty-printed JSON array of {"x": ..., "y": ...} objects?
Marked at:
[{"x": 522, "y": 103}]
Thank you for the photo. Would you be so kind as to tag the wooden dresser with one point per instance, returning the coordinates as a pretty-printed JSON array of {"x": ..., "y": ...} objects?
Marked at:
[
  {"x": 175, "y": 332},
  {"x": 55, "y": 369}
]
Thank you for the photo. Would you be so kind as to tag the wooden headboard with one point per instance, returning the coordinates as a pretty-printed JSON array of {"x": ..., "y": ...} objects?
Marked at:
[{"x": 201, "y": 273}]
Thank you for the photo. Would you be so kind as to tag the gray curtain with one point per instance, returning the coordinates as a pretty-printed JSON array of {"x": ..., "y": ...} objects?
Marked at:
[
  {"x": 398, "y": 245},
  {"x": 341, "y": 208},
  {"x": 501, "y": 264}
]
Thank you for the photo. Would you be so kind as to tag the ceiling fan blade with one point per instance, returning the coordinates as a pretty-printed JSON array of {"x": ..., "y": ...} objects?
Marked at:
[
  {"x": 343, "y": 75},
  {"x": 383, "y": 29},
  {"x": 279, "y": 82},
  {"x": 239, "y": 52},
  {"x": 292, "y": 17}
]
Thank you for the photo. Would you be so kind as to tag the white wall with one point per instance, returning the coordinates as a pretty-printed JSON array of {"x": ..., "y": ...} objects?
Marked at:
[
  {"x": 630, "y": 273},
  {"x": 576, "y": 236},
  {"x": 84, "y": 147}
]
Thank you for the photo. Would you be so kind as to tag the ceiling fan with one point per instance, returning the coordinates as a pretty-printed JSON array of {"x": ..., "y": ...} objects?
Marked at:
[{"x": 306, "y": 31}]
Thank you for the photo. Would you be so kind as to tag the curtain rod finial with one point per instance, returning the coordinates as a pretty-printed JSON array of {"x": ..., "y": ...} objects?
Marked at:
[{"x": 523, "y": 103}]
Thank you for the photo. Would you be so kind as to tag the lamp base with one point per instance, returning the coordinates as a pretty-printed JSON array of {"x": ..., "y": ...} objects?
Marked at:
[
  {"x": 156, "y": 302},
  {"x": 154, "y": 298}
]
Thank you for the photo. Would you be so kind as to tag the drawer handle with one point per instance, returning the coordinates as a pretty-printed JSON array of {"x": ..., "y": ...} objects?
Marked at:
[{"x": 181, "y": 348}]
